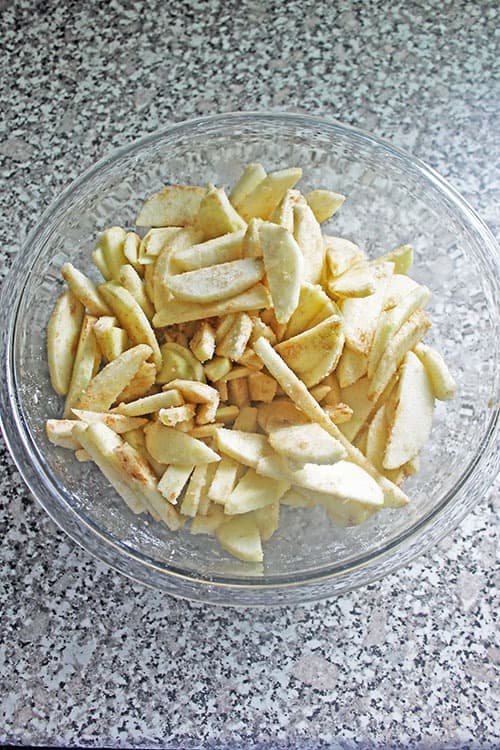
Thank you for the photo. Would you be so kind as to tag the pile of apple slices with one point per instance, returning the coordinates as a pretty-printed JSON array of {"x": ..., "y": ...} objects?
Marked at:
[{"x": 236, "y": 358}]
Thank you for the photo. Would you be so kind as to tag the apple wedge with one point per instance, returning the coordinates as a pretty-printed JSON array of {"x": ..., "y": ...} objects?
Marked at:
[
  {"x": 443, "y": 384},
  {"x": 411, "y": 422},
  {"x": 165, "y": 264},
  {"x": 216, "y": 283},
  {"x": 263, "y": 199},
  {"x": 254, "y": 491},
  {"x": 284, "y": 267},
  {"x": 358, "y": 281},
  {"x": 361, "y": 315},
  {"x": 401, "y": 256},
  {"x": 252, "y": 176},
  {"x": 313, "y": 354},
  {"x": 116, "y": 422},
  {"x": 313, "y": 307},
  {"x": 111, "y": 244},
  {"x": 268, "y": 519},
  {"x": 106, "y": 386},
  {"x": 170, "y": 446},
  {"x": 218, "y": 250},
  {"x": 133, "y": 283},
  {"x": 245, "y": 447},
  {"x": 351, "y": 367},
  {"x": 235, "y": 340},
  {"x": 306, "y": 444},
  {"x": 173, "y": 206},
  {"x": 86, "y": 365},
  {"x": 324, "y": 203},
  {"x": 131, "y": 250},
  {"x": 283, "y": 213},
  {"x": 391, "y": 321},
  {"x": 84, "y": 290},
  {"x": 224, "y": 479},
  {"x": 153, "y": 243},
  {"x": 178, "y": 362},
  {"x": 194, "y": 491},
  {"x": 131, "y": 317},
  {"x": 149, "y": 404},
  {"x": 216, "y": 215},
  {"x": 63, "y": 334},
  {"x": 307, "y": 234},
  {"x": 173, "y": 481},
  {"x": 240, "y": 536},
  {"x": 342, "y": 254},
  {"x": 398, "y": 287},
  {"x": 60, "y": 433}
]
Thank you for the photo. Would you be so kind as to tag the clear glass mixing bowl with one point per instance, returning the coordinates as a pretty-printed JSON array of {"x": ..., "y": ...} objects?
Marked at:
[{"x": 392, "y": 198}]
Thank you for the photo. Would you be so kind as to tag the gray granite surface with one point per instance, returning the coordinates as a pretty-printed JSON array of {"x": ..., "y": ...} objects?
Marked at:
[{"x": 89, "y": 658}]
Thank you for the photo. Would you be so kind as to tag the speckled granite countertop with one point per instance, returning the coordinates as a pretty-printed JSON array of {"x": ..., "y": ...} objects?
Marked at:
[{"x": 89, "y": 658}]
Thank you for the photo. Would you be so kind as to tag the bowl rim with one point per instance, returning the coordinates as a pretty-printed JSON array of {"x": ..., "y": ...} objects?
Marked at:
[{"x": 363, "y": 569}]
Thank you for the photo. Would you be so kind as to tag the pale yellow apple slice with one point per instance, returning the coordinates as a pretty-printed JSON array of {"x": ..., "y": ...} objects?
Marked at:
[
  {"x": 351, "y": 367},
  {"x": 224, "y": 479},
  {"x": 251, "y": 247},
  {"x": 252, "y": 176},
  {"x": 324, "y": 203},
  {"x": 170, "y": 446},
  {"x": 284, "y": 266},
  {"x": 85, "y": 290},
  {"x": 342, "y": 254},
  {"x": 178, "y": 362},
  {"x": 173, "y": 415},
  {"x": 87, "y": 361},
  {"x": 140, "y": 385},
  {"x": 398, "y": 287},
  {"x": 194, "y": 491},
  {"x": 173, "y": 481},
  {"x": 443, "y": 384},
  {"x": 235, "y": 340},
  {"x": 149, "y": 404},
  {"x": 202, "y": 343},
  {"x": 216, "y": 283},
  {"x": 314, "y": 353},
  {"x": 267, "y": 519},
  {"x": 116, "y": 422},
  {"x": 178, "y": 311},
  {"x": 361, "y": 315},
  {"x": 283, "y": 213},
  {"x": 132, "y": 282},
  {"x": 131, "y": 250},
  {"x": 411, "y": 423},
  {"x": 164, "y": 266},
  {"x": 358, "y": 281},
  {"x": 62, "y": 340},
  {"x": 313, "y": 307},
  {"x": 278, "y": 414},
  {"x": 105, "y": 387},
  {"x": 240, "y": 536},
  {"x": 111, "y": 244},
  {"x": 60, "y": 433},
  {"x": 173, "y": 206},
  {"x": 245, "y": 447},
  {"x": 137, "y": 440},
  {"x": 131, "y": 317},
  {"x": 153, "y": 243},
  {"x": 112, "y": 339},
  {"x": 216, "y": 215},
  {"x": 221, "y": 249},
  {"x": 401, "y": 256},
  {"x": 264, "y": 198},
  {"x": 254, "y": 491},
  {"x": 405, "y": 339},
  {"x": 261, "y": 387},
  {"x": 298, "y": 393},
  {"x": 307, "y": 234},
  {"x": 306, "y": 444},
  {"x": 391, "y": 321}
]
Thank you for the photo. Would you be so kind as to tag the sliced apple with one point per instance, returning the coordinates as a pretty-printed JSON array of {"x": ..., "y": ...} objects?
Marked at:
[
  {"x": 111, "y": 245},
  {"x": 149, "y": 404},
  {"x": 398, "y": 287},
  {"x": 342, "y": 254},
  {"x": 251, "y": 247},
  {"x": 221, "y": 249},
  {"x": 401, "y": 256},
  {"x": 116, "y": 422},
  {"x": 60, "y": 433},
  {"x": 87, "y": 361},
  {"x": 85, "y": 290},
  {"x": 313, "y": 307},
  {"x": 284, "y": 266},
  {"x": 235, "y": 340},
  {"x": 153, "y": 243},
  {"x": 314, "y": 353},
  {"x": 355, "y": 282},
  {"x": 245, "y": 447},
  {"x": 324, "y": 203},
  {"x": 252, "y": 176},
  {"x": 173, "y": 206},
  {"x": 165, "y": 264},
  {"x": 224, "y": 479},
  {"x": 133, "y": 283},
  {"x": 216, "y": 283},
  {"x": 140, "y": 385},
  {"x": 361, "y": 315},
  {"x": 104, "y": 388},
  {"x": 63, "y": 334},
  {"x": 173, "y": 481},
  {"x": 216, "y": 215},
  {"x": 194, "y": 491},
  {"x": 170, "y": 446},
  {"x": 264, "y": 198},
  {"x": 306, "y": 444},
  {"x": 307, "y": 234},
  {"x": 240, "y": 536},
  {"x": 411, "y": 423},
  {"x": 283, "y": 213},
  {"x": 268, "y": 519},
  {"x": 351, "y": 367},
  {"x": 254, "y": 491},
  {"x": 278, "y": 414},
  {"x": 443, "y": 384},
  {"x": 210, "y": 522}
]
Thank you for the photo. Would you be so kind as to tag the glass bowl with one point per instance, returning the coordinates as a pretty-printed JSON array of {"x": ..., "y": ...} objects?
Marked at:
[{"x": 392, "y": 199}]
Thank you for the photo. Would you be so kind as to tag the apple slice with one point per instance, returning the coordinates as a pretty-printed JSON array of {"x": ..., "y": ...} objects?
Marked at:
[
  {"x": 267, "y": 519},
  {"x": 194, "y": 491},
  {"x": 278, "y": 414},
  {"x": 173, "y": 206},
  {"x": 314, "y": 353},
  {"x": 216, "y": 283},
  {"x": 252, "y": 176},
  {"x": 224, "y": 479},
  {"x": 110, "y": 249},
  {"x": 351, "y": 367},
  {"x": 324, "y": 203},
  {"x": 60, "y": 433},
  {"x": 170, "y": 446},
  {"x": 264, "y": 198},
  {"x": 307, "y": 233},
  {"x": 140, "y": 385},
  {"x": 133, "y": 283},
  {"x": 173, "y": 481},
  {"x": 283, "y": 213},
  {"x": 116, "y": 422},
  {"x": 85, "y": 290},
  {"x": 216, "y": 215},
  {"x": 313, "y": 307},
  {"x": 284, "y": 266},
  {"x": 405, "y": 339},
  {"x": 149, "y": 404},
  {"x": 218, "y": 250},
  {"x": 106, "y": 386},
  {"x": 398, "y": 287},
  {"x": 361, "y": 315},
  {"x": 131, "y": 317},
  {"x": 401, "y": 256},
  {"x": 210, "y": 522},
  {"x": 342, "y": 254},
  {"x": 245, "y": 447},
  {"x": 235, "y": 340},
  {"x": 165, "y": 263},
  {"x": 306, "y": 444},
  {"x": 443, "y": 384},
  {"x": 411, "y": 423},
  {"x": 358, "y": 281},
  {"x": 254, "y": 491},
  {"x": 62, "y": 340},
  {"x": 391, "y": 321},
  {"x": 86, "y": 365},
  {"x": 240, "y": 536}
]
